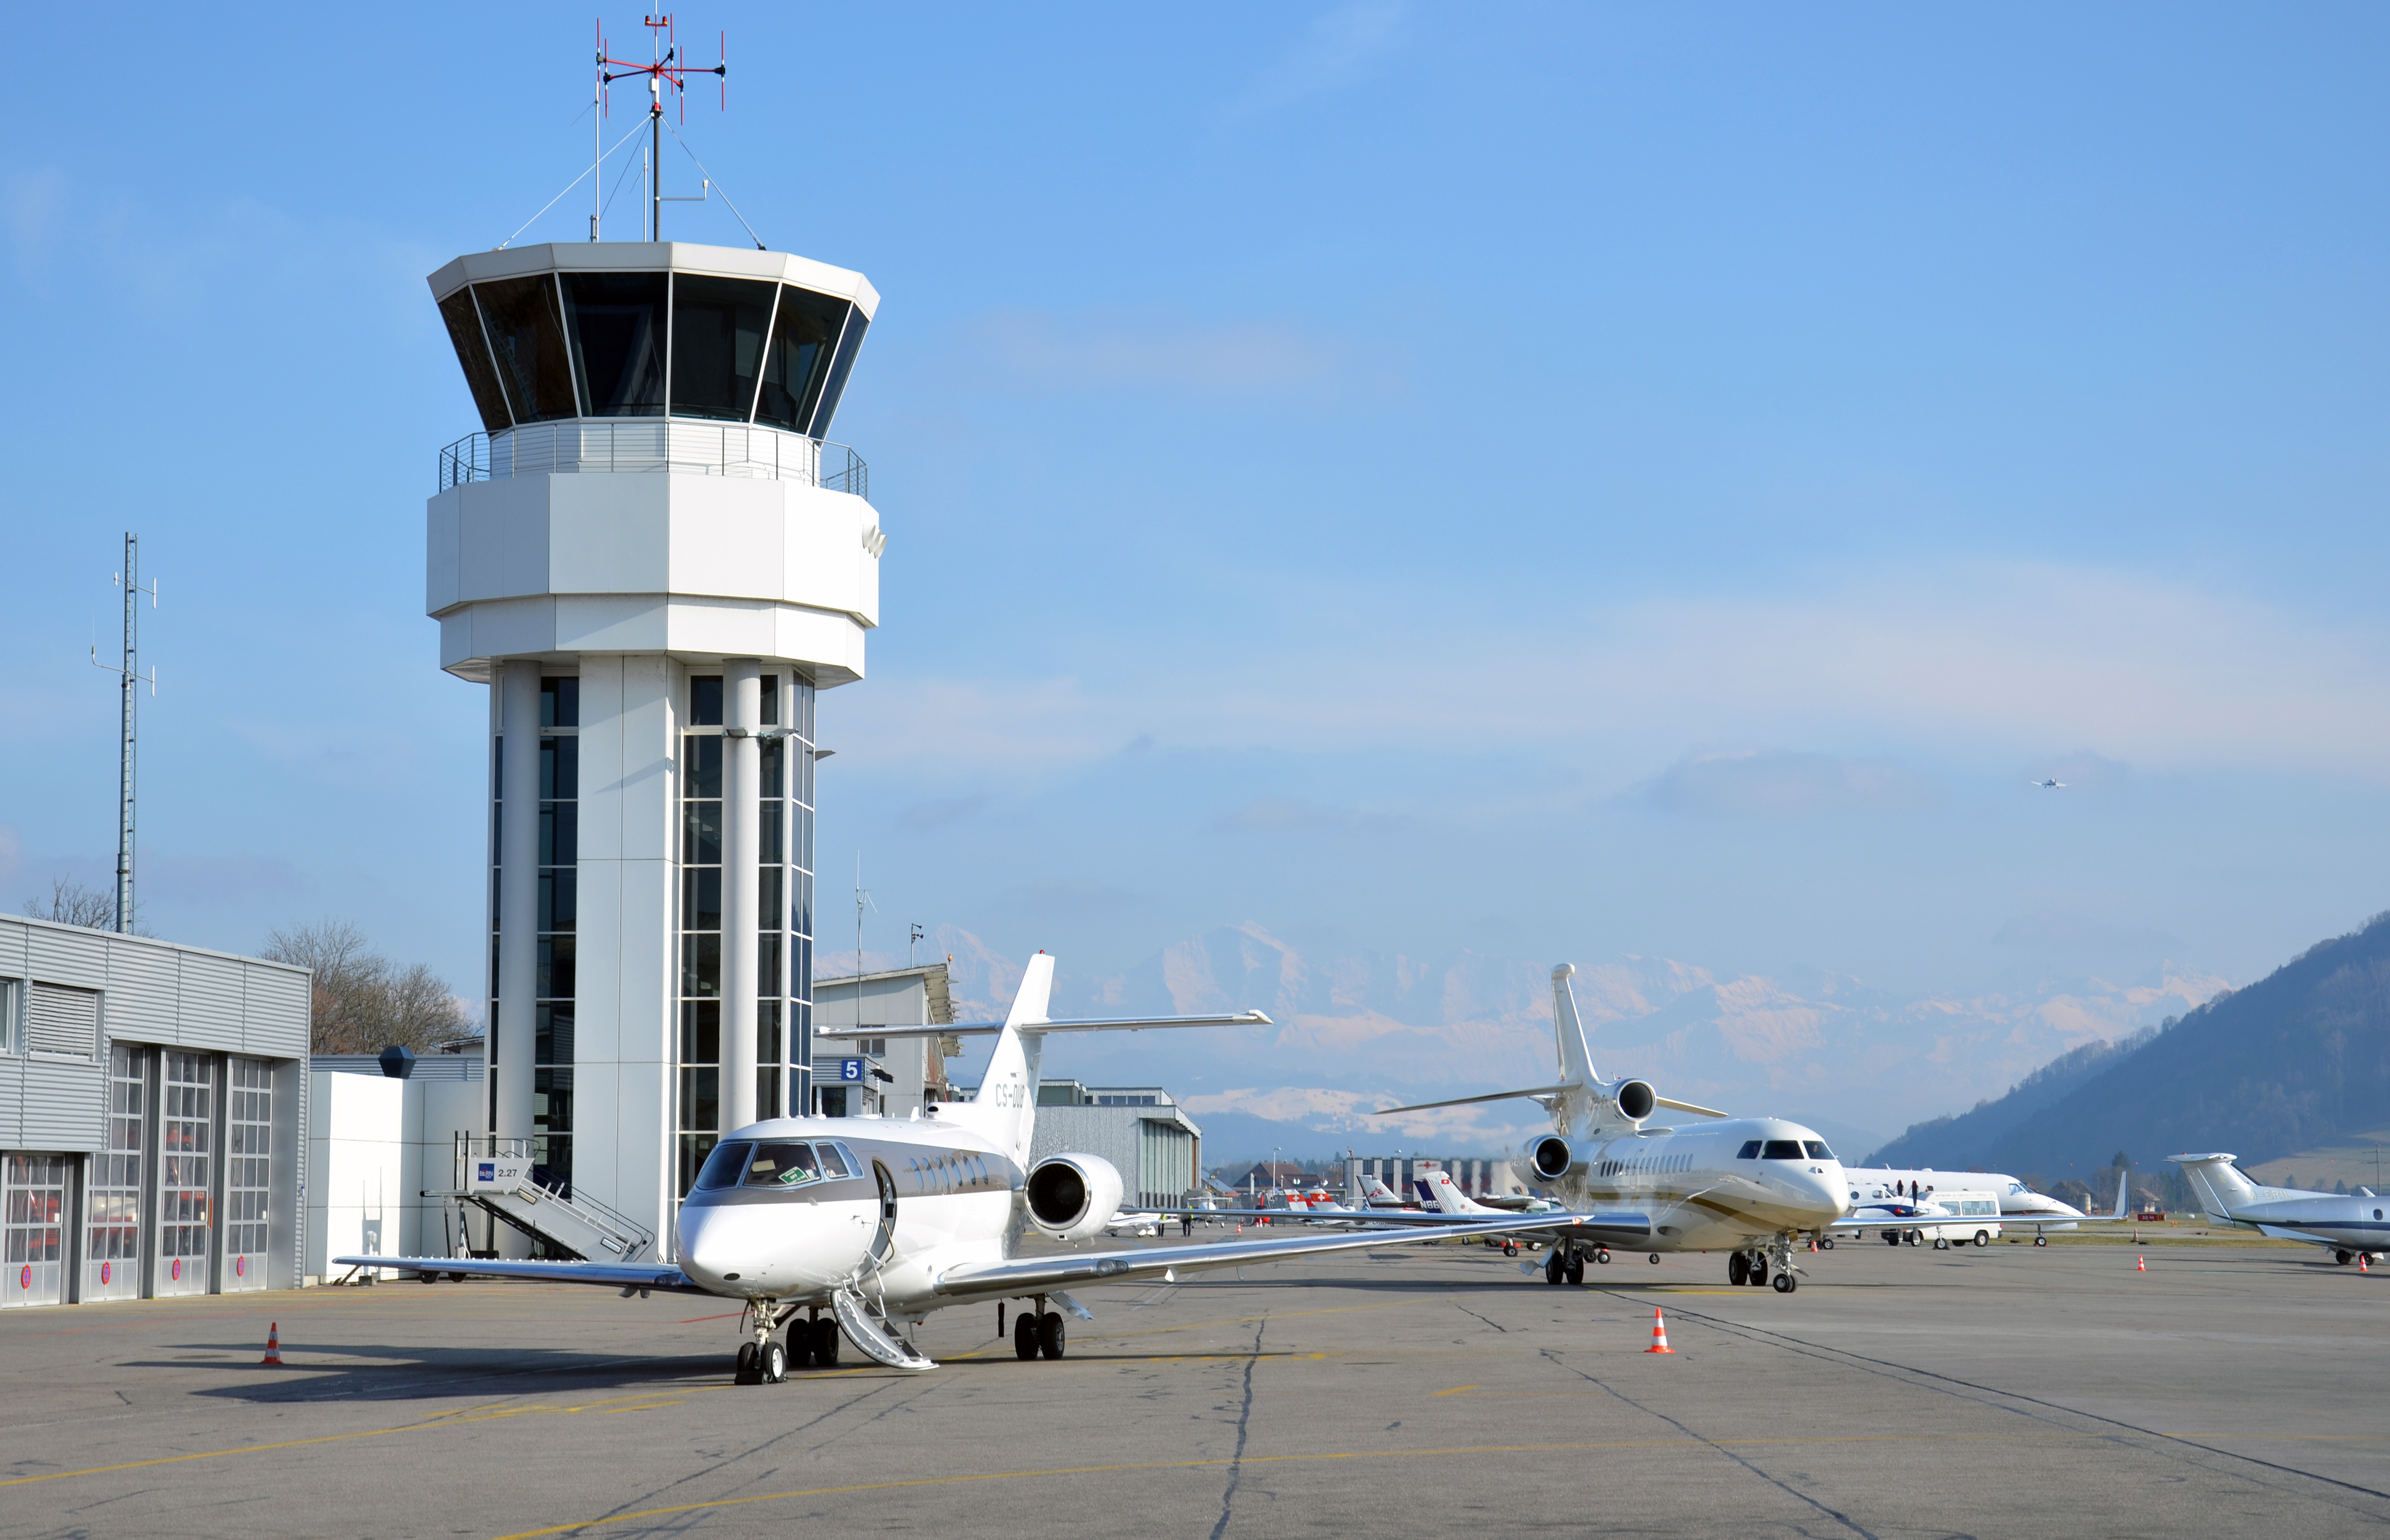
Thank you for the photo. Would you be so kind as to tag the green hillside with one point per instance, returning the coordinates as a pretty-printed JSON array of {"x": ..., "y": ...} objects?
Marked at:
[{"x": 2299, "y": 1061}]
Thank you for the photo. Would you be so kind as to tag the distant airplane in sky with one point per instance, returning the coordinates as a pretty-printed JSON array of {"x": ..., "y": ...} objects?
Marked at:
[{"x": 2049, "y": 785}]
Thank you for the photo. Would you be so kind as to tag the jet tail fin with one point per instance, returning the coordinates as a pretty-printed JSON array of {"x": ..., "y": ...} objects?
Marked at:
[
  {"x": 1006, "y": 1110},
  {"x": 2217, "y": 1181},
  {"x": 2123, "y": 1182},
  {"x": 1576, "y": 1055},
  {"x": 1447, "y": 1194}
]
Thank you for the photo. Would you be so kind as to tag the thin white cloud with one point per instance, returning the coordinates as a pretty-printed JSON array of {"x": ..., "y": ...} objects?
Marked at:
[
  {"x": 1978, "y": 659},
  {"x": 1778, "y": 783}
]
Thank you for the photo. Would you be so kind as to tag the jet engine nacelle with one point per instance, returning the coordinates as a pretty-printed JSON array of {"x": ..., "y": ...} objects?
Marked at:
[
  {"x": 1550, "y": 1157},
  {"x": 1072, "y": 1197},
  {"x": 1636, "y": 1099}
]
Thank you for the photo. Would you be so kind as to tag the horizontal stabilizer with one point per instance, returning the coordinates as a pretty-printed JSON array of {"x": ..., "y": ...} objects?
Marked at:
[
  {"x": 1688, "y": 1107},
  {"x": 989, "y": 1029},
  {"x": 604, "y": 1275},
  {"x": 1535, "y": 1094}
]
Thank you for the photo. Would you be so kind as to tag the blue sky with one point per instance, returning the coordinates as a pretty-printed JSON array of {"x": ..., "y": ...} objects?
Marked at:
[{"x": 1531, "y": 481}]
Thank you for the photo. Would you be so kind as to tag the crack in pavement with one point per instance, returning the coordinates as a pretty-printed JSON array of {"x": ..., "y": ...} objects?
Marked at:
[
  {"x": 1245, "y": 1420},
  {"x": 1837, "y": 1516}
]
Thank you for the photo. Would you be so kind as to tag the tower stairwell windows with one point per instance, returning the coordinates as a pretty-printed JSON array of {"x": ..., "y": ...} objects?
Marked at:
[
  {"x": 559, "y": 790},
  {"x": 700, "y": 1099}
]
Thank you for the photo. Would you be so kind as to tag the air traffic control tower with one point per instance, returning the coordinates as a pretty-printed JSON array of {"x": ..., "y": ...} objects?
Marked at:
[{"x": 654, "y": 558}]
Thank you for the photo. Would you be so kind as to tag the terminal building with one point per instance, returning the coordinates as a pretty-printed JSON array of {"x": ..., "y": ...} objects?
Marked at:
[
  {"x": 152, "y": 1099},
  {"x": 654, "y": 558}
]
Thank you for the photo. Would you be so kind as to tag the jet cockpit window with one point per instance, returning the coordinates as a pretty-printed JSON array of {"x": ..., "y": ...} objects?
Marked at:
[
  {"x": 1750, "y": 1151},
  {"x": 1818, "y": 1151},
  {"x": 834, "y": 1162},
  {"x": 782, "y": 1165},
  {"x": 1782, "y": 1150},
  {"x": 723, "y": 1167}
]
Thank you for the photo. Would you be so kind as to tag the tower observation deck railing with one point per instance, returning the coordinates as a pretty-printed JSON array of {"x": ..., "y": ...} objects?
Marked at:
[{"x": 680, "y": 445}]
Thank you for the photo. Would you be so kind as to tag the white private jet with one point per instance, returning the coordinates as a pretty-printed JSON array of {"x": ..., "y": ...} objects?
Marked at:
[
  {"x": 880, "y": 1222},
  {"x": 2020, "y": 1205},
  {"x": 1748, "y": 1186},
  {"x": 2049, "y": 785},
  {"x": 2351, "y": 1224}
]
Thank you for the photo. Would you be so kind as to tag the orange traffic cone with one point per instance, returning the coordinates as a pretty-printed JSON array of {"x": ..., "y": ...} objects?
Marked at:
[
  {"x": 273, "y": 1345},
  {"x": 2142, "y": 1264},
  {"x": 1659, "y": 1333},
  {"x": 2360, "y": 1262}
]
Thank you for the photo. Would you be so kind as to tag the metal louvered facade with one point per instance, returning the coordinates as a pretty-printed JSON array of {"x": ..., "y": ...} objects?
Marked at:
[{"x": 152, "y": 1116}]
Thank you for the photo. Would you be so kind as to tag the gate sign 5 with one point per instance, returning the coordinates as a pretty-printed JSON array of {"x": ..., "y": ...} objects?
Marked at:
[{"x": 851, "y": 1069}]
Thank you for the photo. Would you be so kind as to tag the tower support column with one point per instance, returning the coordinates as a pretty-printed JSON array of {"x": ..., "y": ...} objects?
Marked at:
[
  {"x": 517, "y": 898},
  {"x": 742, "y": 716}
]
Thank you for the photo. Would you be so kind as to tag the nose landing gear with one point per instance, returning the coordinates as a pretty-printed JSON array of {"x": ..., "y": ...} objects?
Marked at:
[{"x": 763, "y": 1361}]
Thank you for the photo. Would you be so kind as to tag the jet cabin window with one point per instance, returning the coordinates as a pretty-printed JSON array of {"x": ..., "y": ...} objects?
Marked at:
[
  {"x": 783, "y": 1165},
  {"x": 1818, "y": 1151},
  {"x": 1750, "y": 1151},
  {"x": 724, "y": 1166},
  {"x": 1782, "y": 1150}
]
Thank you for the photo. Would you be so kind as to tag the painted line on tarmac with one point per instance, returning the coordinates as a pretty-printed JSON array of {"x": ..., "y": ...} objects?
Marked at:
[{"x": 1275, "y": 1459}]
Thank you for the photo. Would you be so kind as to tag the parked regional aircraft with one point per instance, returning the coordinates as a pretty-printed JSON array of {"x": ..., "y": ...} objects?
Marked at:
[
  {"x": 2352, "y": 1224},
  {"x": 881, "y": 1222},
  {"x": 1748, "y": 1186},
  {"x": 2020, "y": 1205}
]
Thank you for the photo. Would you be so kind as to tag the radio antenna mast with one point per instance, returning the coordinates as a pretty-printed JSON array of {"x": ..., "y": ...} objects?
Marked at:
[
  {"x": 663, "y": 68},
  {"x": 128, "y": 673}
]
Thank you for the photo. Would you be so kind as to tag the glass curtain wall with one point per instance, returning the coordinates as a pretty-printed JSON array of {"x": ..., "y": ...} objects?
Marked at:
[
  {"x": 112, "y": 1249},
  {"x": 797, "y": 713},
  {"x": 185, "y": 1144},
  {"x": 35, "y": 1206},
  {"x": 249, "y": 1155},
  {"x": 700, "y": 1102},
  {"x": 560, "y": 837},
  {"x": 771, "y": 941}
]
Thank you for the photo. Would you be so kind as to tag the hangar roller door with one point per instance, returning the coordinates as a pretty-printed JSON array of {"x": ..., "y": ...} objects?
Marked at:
[{"x": 36, "y": 1205}]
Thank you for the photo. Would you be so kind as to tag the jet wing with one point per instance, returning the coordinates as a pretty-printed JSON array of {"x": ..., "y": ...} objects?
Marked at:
[
  {"x": 1056, "y": 1272},
  {"x": 604, "y": 1275},
  {"x": 989, "y": 1029},
  {"x": 1391, "y": 1218}
]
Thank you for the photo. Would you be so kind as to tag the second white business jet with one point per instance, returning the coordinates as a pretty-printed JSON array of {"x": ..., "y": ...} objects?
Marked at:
[
  {"x": 880, "y": 1222},
  {"x": 1751, "y": 1188}
]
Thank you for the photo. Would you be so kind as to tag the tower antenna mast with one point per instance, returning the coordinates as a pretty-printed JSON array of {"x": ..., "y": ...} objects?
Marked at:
[
  {"x": 128, "y": 673},
  {"x": 663, "y": 68}
]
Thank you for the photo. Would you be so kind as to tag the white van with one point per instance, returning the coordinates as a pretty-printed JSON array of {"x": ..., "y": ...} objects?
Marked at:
[{"x": 1973, "y": 1216}]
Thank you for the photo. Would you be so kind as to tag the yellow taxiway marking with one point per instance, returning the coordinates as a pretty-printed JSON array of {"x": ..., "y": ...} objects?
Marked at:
[
  {"x": 1456, "y": 1390},
  {"x": 919, "y": 1481}
]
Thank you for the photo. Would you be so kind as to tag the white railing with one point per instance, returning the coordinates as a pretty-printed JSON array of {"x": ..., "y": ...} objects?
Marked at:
[{"x": 680, "y": 445}]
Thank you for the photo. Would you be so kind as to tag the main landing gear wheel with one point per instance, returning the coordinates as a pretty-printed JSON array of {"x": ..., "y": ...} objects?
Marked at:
[
  {"x": 458, "y": 1277},
  {"x": 1655, "y": 1259},
  {"x": 1759, "y": 1271},
  {"x": 1049, "y": 1334},
  {"x": 1555, "y": 1268},
  {"x": 825, "y": 1341},
  {"x": 1786, "y": 1283},
  {"x": 1941, "y": 1243},
  {"x": 1738, "y": 1269},
  {"x": 1025, "y": 1336},
  {"x": 1602, "y": 1256},
  {"x": 2343, "y": 1258},
  {"x": 2041, "y": 1240},
  {"x": 427, "y": 1277},
  {"x": 1827, "y": 1244},
  {"x": 1510, "y": 1248},
  {"x": 745, "y": 1374},
  {"x": 801, "y": 1344},
  {"x": 1575, "y": 1267},
  {"x": 1892, "y": 1237}
]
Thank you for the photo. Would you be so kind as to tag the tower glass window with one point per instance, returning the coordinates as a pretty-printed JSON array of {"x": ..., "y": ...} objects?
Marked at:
[
  {"x": 719, "y": 326},
  {"x": 804, "y": 337},
  {"x": 617, "y": 324},
  {"x": 526, "y": 335},
  {"x": 700, "y": 1101},
  {"x": 560, "y": 831}
]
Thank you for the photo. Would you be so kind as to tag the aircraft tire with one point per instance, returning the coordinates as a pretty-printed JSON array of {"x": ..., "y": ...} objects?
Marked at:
[
  {"x": 1892, "y": 1237},
  {"x": 1510, "y": 1248},
  {"x": 1555, "y": 1268},
  {"x": 2343, "y": 1258},
  {"x": 1941, "y": 1243},
  {"x": 2041, "y": 1240},
  {"x": 1576, "y": 1268},
  {"x": 427, "y": 1277},
  {"x": 825, "y": 1341},
  {"x": 801, "y": 1345},
  {"x": 1827, "y": 1244},
  {"x": 1051, "y": 1339},
  {"x": 1602, "y": 1256},
  {"x": 1738, "y": 1269},
  {"x": 771, "y": 1364},
  {"x": 1655, "y": 1259},
  {"x": 458, "y": 1277},
  {"x": 1786, "y": 1283},
  {"x": 1024, "y": 1337},
  {"x": 1758, "y": 1275},
  {"x": 744, "y": 1373}
]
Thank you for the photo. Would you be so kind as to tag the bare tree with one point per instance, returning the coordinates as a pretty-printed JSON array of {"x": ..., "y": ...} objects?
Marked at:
[
  {"x": 73, "y": 903},
  {"x": 362, "y": 1003}
]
